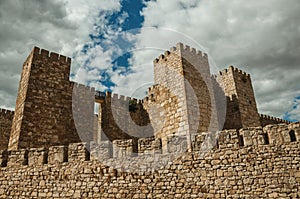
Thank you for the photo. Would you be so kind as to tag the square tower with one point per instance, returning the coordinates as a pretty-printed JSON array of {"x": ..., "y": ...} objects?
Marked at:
[
  {"x": 184, "y": 93},
  {"x": 43, "y": 113},
  {"x": 241, "y": 104}
]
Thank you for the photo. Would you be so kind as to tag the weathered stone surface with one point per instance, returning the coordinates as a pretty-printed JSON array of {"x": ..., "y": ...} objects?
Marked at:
[
  {"x": 6, "y": 118},
  {"x": 255, "y": 171}
]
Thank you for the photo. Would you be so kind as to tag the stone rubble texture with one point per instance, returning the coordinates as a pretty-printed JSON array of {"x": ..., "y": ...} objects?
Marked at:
[{"x": 195, "y": 135}]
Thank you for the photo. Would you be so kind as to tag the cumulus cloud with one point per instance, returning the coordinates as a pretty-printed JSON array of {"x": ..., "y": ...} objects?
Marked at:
[
  {"x": 259, "y": 37},
  {"x": 60, "y": 25}
]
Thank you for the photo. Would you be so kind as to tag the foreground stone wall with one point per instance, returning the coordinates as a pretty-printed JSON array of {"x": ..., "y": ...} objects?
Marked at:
[
  {"x": 6, "y": 118},
  {"x": 234, "y": 168}
]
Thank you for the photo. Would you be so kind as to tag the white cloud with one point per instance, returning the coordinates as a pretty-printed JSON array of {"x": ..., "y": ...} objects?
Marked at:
[
  {"x": 260, "y": 37},
  {"x": 60, "y": 25}
]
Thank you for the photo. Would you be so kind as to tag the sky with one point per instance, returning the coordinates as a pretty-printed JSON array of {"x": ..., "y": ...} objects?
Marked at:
[{"x": 113, "y": 42}]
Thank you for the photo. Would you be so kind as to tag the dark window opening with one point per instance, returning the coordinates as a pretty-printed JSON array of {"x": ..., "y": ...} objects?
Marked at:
[
  {"x": 266, "y": 138},
  {"x": 293, "y": 136},
  {"x": 241, "y": 140}
]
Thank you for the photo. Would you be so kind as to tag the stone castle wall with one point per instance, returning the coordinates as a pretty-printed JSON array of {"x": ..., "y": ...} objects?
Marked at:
[
  {"x": 266, "y": 120},
  {"x": 123, "y": 117},
  {"x": 6, "y": 118},
  {"x": 251, "y": 167}
]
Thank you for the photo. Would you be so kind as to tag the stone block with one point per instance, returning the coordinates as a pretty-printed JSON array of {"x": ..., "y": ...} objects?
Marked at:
[
  {"x": 176, "y": 144},
  {"x": 122, "y": 148},
  {"x": 17, "y": 157},
  {"x": 37, "y": 156},
  {"x": 101, "y": 151},
  {"x": 57, "y": 154},
  {"x": 78, "y": 152},
  {"x": 149, "y": 145}
]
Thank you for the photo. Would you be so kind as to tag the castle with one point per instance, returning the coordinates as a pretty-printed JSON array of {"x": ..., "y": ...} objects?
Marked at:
[{"x": 53, "y": 145}]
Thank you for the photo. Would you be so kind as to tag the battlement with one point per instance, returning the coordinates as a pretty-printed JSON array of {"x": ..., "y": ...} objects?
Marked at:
[
  {"x": 234, "y": 70},
  {"x": 151, "y": 93},
  {"x": 38, "y": 52},
  {"x": 153, "y": 87},
  {"x": 82, "y": 86},
  {"x": 180, "y": 49},
  {"x": 122, "y": 98},
  {"x": 6, "y": 113},
  {"x": 273, "y": 119},
  {"x": 279, "y": 134}
]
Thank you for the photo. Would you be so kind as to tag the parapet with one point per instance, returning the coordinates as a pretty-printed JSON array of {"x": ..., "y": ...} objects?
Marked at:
[
  {"x": 82, "y": 87},
  {"x": 6, "y": 113},
  {"x": 180, "y": 49},
  {"x": 267, "y": 119},
  {"x": 233, "y": 70},
  {"x": 279, "y": 134},
  {"x": 114, "y": 97},
  {"x": 40, "y": 53}
]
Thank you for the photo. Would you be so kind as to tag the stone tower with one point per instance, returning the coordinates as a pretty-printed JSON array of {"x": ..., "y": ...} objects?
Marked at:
[
  {"x": 241, "y": 104},
  {"x": 184, "y": 92},
  {"x": 43, "y": 114}
]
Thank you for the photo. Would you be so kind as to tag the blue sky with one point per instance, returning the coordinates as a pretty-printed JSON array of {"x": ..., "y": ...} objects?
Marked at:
[
  {"x": 113, "y": 42},
  {"x": 133, "y": 20}
]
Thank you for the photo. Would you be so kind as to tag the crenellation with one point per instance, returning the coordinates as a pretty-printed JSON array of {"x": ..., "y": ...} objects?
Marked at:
[
  {"x": 57, "y": 154},
  {"x": 167, "y": 53},
  {"x": 149, "y": 146},
  {"x": 54, "y": 56},
  {"x": 277, "y": 134},
  {"x": 37, "y": 156},
  {"x": 38, "y": 52},
  {"x": 17, "y": 158},
  {"x": 101, "y": 151},
  {"x": 187, "y": 48},
  {"x": 267, "y": 119},
  {"x": 122, "y": 97},
  {"x": 228, "y": 140},
  {"x": 115, "y": 96},
  {"x": 78, "y": 152},
  {"x": 173, "y": 49},
  {"x": 177, "y": 144},
  {"x": 6, "y": 112},
  {"x": 122, "y": 148},
  {"x": 193, "y": 50},
  {"x": 108, "y": 94},
  {"x": 44, "y": 52},
  {"x": 94, "y": 179}
]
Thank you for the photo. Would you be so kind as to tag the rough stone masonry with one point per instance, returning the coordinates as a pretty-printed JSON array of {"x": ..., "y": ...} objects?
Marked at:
[{"x": 195, "y": 135}]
